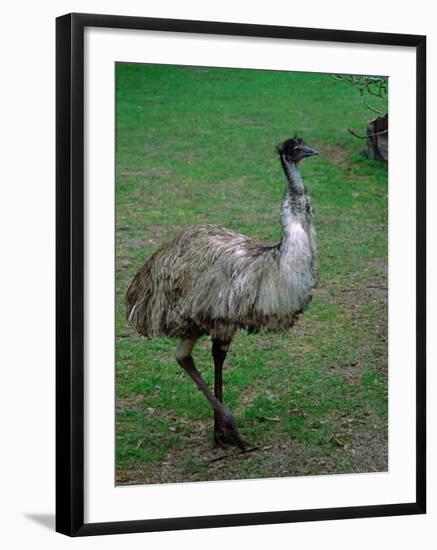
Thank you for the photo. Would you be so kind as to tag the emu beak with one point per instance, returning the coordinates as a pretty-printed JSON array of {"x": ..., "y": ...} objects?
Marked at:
[{"x": 308, "y": 152}]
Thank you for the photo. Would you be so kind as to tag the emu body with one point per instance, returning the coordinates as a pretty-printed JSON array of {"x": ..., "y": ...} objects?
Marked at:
[{"x": 208, "y": 280}]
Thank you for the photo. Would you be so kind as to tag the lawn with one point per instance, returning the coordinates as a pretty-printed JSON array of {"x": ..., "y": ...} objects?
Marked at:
[{"x": 197, "y": 145}]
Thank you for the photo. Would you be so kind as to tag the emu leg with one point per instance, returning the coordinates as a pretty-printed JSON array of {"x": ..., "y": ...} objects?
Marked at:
[
  {"x": 229, "y": 430},
  {"x": 219, "y": 352}
]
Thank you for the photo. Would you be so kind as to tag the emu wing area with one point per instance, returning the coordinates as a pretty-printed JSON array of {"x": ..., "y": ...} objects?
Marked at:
[{"x": 208, "y": 280}]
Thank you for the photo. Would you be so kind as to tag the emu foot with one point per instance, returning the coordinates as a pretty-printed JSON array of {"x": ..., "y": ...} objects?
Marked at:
[{"x": 226, "y": 433}]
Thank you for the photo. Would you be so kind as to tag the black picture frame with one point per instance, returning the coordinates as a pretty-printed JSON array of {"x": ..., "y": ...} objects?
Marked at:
[{"x": 70, "y": 273}]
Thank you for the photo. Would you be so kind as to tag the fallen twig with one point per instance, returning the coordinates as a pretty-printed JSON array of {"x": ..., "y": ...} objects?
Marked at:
[
  {"x": 271, "y": 418},
  {"x": 337, "y": 441}
]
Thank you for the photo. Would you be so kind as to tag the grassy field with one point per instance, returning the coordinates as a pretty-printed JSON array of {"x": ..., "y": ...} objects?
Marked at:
[{"x": 196, "y": 145}]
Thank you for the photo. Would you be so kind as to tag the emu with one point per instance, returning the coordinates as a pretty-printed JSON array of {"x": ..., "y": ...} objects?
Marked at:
[{"x": 207, "y": 280}]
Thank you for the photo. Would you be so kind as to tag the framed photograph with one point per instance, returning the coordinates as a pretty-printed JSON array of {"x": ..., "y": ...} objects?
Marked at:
[{"x": 240, "y": 274}]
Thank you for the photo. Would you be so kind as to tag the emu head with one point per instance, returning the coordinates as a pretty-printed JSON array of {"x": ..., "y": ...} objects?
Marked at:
[{"x": 294, "y": 150}]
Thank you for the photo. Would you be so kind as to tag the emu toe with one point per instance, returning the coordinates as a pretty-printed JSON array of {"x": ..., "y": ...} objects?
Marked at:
[
  {"x": 223, "y": 440},
  {"x": 226, "y": 433}
]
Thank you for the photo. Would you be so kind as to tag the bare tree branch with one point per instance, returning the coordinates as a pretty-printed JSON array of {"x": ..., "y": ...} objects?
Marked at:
[
  {"x": 367, "y": 135},
  {"x": 377, "y": 111}
]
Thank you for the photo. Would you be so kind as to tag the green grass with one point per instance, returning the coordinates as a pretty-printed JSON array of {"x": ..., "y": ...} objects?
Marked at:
[{"x": 196, "y": 145}]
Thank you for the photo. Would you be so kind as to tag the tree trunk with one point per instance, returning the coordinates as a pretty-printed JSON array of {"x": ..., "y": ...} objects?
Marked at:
[{"x": 377, "y": 139}]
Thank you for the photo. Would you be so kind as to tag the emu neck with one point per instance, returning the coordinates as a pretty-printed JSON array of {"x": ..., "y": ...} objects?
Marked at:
[
  {"x": 295, "y": 213},
  {"x": 294, "y": 178}
]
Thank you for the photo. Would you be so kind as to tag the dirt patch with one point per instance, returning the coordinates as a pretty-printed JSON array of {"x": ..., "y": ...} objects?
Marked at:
[
  {"x": 135, "y": 403},
  {"x": 374, "y": 290},
  {"x": 370, "y": 448},
  {"x": 351, "y": 373},
  {"x": 336, "y": 155},
  {"x": 355, "y": 450},
  {"x": 352, "y": 448}
]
